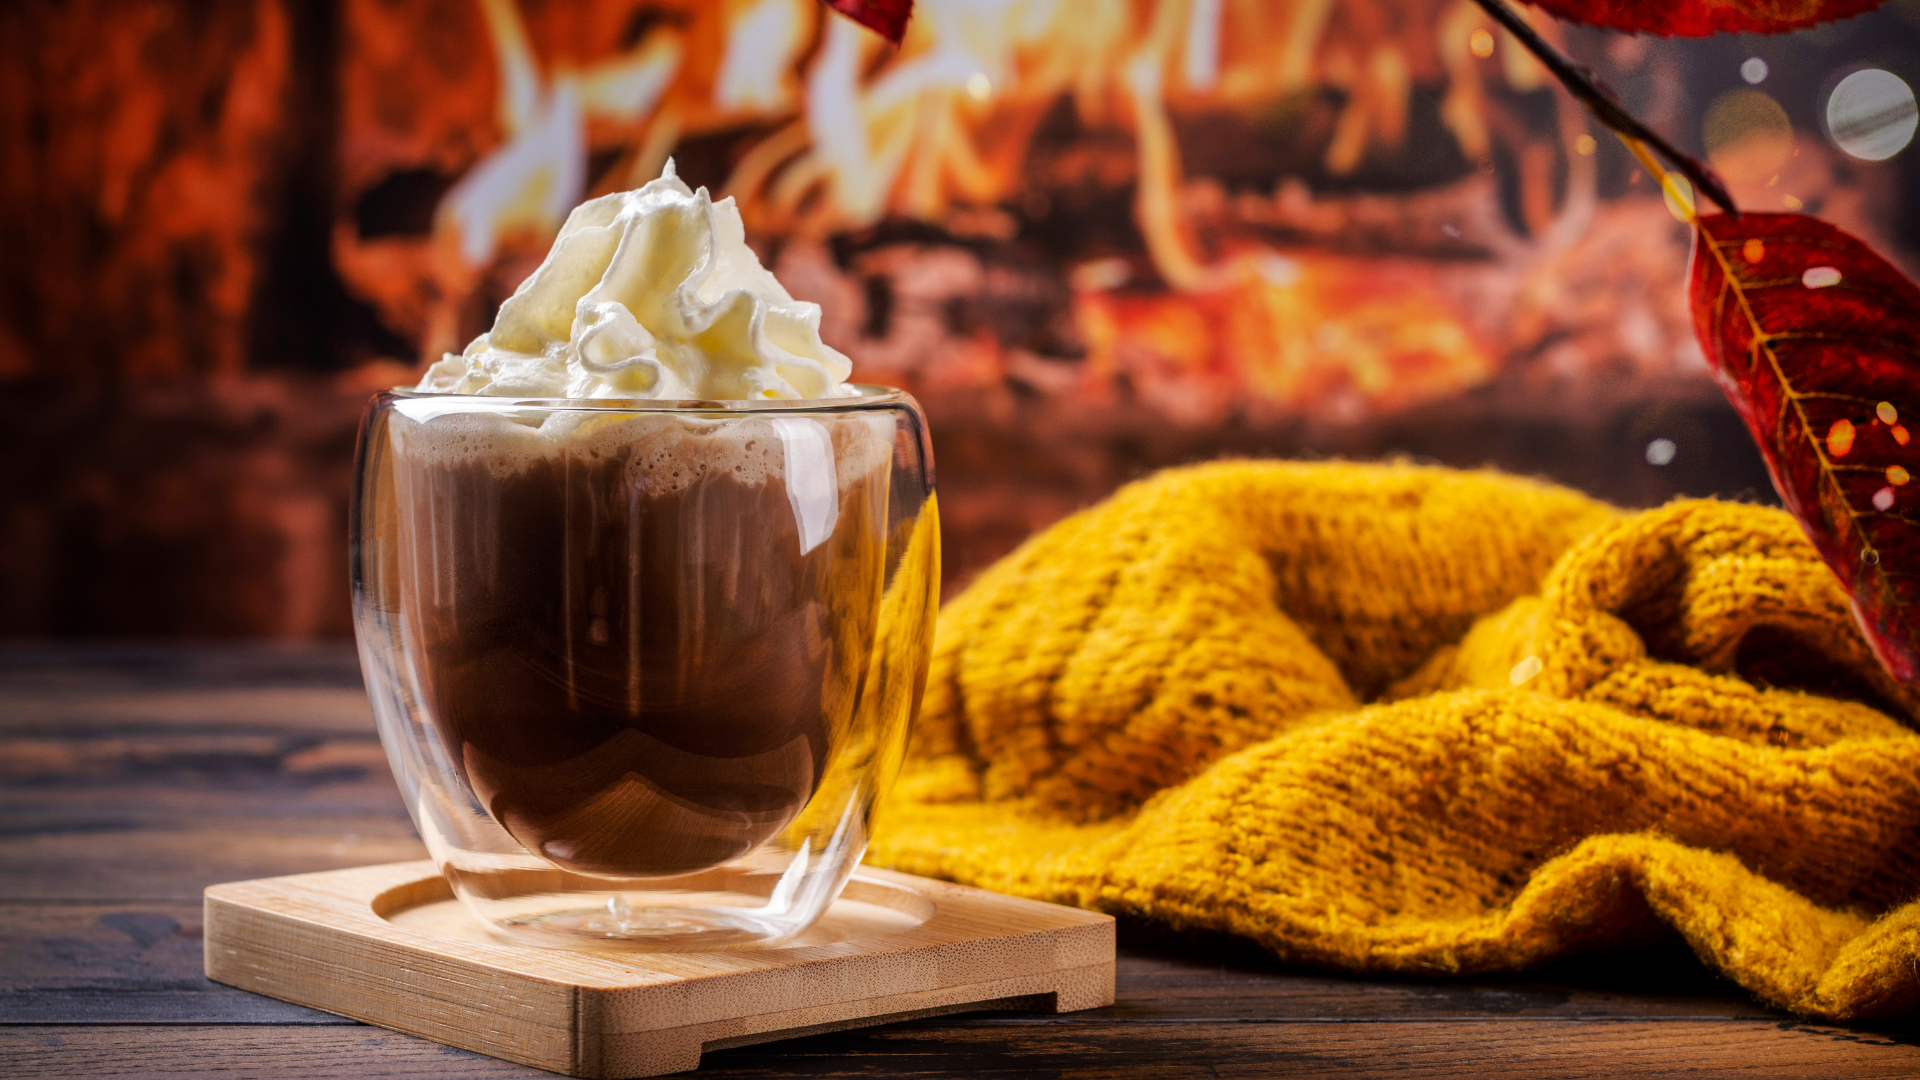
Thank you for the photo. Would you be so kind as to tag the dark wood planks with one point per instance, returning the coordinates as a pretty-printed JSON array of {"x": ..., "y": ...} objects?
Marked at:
[
  {"x": 120, "y": 964},
  {"x": 148, "y": 774},
  {"x": 131, "y": 778},
  {"x": 1462, "y": 1049},
  {"x": 281, "y": 1053},
  {"x": 1062, "y": 1049}
]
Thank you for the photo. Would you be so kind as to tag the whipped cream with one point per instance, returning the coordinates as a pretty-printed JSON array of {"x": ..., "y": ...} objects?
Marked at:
[{"x": 651, "y": 293}]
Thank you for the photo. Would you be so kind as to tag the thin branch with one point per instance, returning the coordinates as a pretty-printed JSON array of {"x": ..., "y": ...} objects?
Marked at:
[
  {"x": 1679, "y": 195},
  {"x": 1584, "y": 85}
]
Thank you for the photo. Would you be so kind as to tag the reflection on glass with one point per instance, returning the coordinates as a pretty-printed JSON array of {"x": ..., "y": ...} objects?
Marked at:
[{"x": 661, "y": 649}]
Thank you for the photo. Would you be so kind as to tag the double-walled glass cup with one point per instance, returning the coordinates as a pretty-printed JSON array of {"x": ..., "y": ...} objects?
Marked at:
[{"x": 642, "y": 667}]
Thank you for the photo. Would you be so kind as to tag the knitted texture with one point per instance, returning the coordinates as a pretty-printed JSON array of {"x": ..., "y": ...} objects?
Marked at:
[{"x": 1402, "y": 719}]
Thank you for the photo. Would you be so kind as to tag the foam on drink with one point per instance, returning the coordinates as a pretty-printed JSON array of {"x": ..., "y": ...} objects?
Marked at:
[{"x": 651, "y": 293}]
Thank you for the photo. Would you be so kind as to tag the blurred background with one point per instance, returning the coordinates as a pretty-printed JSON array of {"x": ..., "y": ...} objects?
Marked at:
[{"x": 1095, "y": 237}]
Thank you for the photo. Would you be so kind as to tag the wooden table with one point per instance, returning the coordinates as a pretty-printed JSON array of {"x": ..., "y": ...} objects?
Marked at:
[{"x": 130, "y": 778}]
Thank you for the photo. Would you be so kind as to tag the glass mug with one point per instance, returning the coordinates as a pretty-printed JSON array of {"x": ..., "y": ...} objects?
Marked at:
[{"x": 642, "y": 668}]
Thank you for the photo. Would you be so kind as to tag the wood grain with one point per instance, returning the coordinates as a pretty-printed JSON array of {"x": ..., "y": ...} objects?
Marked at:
[
  {"x": 150, "y": 773},
  {"x": 102, "y": 864},
  {"x": 120, "y": 964},
  {"x": 1304, "y": 1049},
  {"x": 1063, "y": 1049},
  {"x": 896, "y": 947}
]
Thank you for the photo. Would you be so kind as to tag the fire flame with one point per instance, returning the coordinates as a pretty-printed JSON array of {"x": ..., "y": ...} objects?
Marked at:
[{"x": 857, "y": 133}]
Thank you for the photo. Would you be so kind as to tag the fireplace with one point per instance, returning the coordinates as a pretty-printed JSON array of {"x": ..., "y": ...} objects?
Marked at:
[{"x": 1095, "y": 237}]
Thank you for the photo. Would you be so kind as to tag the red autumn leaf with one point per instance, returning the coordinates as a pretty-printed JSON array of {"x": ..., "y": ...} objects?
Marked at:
[
  {"x": 888, "y": 18},
  {"x": 1816, "y": 340},
  {"x": 1700, "y": 18}
]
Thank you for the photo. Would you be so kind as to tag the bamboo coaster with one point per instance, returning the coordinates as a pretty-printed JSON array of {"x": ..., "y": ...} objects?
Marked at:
[{"x": 391, "y": 946}]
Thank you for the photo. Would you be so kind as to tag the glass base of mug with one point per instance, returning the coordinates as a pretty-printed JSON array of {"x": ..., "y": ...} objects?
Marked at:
[
  {"x": 662, "y": 922},
  {"x": 760, "y": 900}
]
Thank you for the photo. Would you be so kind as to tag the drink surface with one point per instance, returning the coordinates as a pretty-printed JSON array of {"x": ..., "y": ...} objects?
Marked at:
[{"x": 641, "y": 639}]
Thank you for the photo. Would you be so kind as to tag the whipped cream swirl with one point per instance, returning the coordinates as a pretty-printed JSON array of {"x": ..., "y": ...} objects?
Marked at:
[{"x": 651, "y": 293}]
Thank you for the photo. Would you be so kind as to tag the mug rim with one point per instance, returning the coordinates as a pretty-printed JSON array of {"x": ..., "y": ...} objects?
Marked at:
[{"x": 869, "y": 395}]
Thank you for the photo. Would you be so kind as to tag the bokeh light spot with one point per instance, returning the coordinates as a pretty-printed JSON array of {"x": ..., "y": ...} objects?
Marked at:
[
  {"x": 1747, "y": 135},
  {"x": 1840, "y": 438},
  {"x": 1678, "y": 191},
  {"x": 1661, "y": 451},
  {"x": 1883, "y": 499},
  {"x": 1481, "y": 43},
  {"x": 1820, "y": 277},
  {"x": 1753, "y": 251},
  {"x": 979, "y": 87},
  {"x": 1897, "y": 475},
  {"x": 1887, "y": 413},
  {"x": 1872, "y": 115},
  {"x": 1584, "y": 145},
  {"x": 1754, "y": 70}
]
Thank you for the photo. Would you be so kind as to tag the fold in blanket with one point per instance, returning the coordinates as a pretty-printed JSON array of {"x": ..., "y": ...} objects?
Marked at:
[{"x": 1391, "y": 718}]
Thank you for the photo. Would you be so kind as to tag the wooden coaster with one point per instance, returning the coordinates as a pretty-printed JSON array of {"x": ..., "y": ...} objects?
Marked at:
[{"x": 391, "y": 946}]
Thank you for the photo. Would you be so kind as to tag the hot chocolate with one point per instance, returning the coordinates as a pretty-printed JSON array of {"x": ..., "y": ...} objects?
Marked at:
[{"x": 640, "y": 635}]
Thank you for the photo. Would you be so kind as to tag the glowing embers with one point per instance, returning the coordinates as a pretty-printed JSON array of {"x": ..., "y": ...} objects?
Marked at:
[{"x": 1337, "y": 335}]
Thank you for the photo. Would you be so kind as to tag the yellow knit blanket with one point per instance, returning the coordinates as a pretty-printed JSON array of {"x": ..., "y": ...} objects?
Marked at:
[{"x": 1389, "y": 718}]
